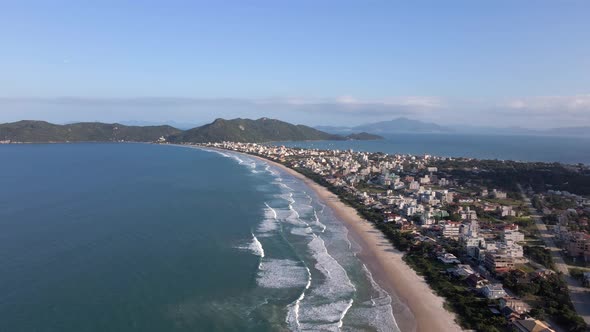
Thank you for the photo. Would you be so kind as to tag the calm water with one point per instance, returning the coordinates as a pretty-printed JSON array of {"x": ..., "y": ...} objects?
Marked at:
[
  {"x": 132, "y": 237},
  {"x": 523, "y": 148}
]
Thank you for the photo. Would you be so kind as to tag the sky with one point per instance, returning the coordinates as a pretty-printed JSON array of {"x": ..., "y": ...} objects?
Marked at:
[{"x": 491, "y": 63}]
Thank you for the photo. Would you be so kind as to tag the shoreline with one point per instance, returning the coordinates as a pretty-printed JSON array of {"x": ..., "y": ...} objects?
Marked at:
[
  {"x": 425, "y": 311},
  {"x": 387, "y": 266}
]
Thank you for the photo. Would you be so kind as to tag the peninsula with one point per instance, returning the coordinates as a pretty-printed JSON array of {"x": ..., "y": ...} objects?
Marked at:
[{"x": 237, "y": 130}]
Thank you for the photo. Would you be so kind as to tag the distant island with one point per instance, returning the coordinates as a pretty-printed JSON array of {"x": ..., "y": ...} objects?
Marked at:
[
  {"x": 404, "y": 125},
  {"x": 236, "y": 130},
  {"x": 399, "y": 125}
]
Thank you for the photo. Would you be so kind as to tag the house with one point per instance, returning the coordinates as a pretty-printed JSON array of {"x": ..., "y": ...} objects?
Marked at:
[
  {"x": 449, "y": 259},
  {"x": 541, "y": 273},
  {"x": 531, "y": 325},
  {"x": 476, "y": 281},
  {"x": 515, "y": 304},
  {"x": 493, "y": 291},
  {"x": 498, "y": 194},
  {"x": 461, "y": 271},
  {"x": 510, "y": 314}
]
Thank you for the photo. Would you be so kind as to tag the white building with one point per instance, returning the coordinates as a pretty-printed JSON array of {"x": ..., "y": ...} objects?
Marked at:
[
  {"x": 493, "y": 291},
  {"x": 514, "y": 236},
  {"x": 451, "y": 230}
]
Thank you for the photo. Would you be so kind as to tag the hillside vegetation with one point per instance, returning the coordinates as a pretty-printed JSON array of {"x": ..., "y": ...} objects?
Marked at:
[{"x": 236, "y": 130}]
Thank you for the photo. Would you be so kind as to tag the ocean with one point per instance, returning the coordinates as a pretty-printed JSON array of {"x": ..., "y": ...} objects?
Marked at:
[
  {"x": 139, "y": 237},
  {"x": 571, "y": 150}
]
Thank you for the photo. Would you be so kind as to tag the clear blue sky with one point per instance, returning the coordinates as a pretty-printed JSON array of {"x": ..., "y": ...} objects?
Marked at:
[{"x": 315, "y": 62}]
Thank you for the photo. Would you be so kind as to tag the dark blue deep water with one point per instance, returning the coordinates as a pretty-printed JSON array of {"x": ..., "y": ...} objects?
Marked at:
[{"x": 137, "y": 237}]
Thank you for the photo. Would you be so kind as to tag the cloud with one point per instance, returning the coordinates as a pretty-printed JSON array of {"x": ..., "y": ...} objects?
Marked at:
[
  {"x": 550, "y": 104},
  {"x": 536, "y": 111}
]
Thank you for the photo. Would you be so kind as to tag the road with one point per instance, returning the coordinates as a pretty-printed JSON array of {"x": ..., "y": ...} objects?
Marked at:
[{"x": 579, "y": 295}]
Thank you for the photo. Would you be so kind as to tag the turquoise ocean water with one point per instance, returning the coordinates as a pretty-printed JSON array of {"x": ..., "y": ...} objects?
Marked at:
[{"x": 137, "y": 237}]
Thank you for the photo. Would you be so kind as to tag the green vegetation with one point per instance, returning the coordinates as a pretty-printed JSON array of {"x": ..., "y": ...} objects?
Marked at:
[
  {"x": 577, "y": 273},
  {"x": 42, "y": 132},
  {"x": 472, "y": 310},
  {"x": 363, "y": 137},
  {"x": 237, "y": 130},
  {"x": 553, "y": 299},
  {"x": 506, "y": 174},
  {"x": 246, "y": 130},
  {"x": 540, "y": 255}
]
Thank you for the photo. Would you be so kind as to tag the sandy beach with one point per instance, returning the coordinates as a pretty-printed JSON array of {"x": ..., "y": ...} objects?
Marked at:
[{"x": 426, "y": 312}]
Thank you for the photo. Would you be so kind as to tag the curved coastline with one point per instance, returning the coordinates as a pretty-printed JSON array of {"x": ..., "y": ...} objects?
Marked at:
[{"x": 425, "y": 309}]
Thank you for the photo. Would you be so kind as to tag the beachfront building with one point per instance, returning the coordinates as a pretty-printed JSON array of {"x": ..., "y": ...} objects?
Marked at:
[
  {"x": 449, "y": 259},
  {"x": 504, "y": 258},
  {"x": 493, "y": 291},
  {"x": 515, "y": 304}
]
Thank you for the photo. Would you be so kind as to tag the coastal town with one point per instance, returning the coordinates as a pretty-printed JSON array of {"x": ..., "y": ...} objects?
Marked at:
[{"x": 505, "y": 257}]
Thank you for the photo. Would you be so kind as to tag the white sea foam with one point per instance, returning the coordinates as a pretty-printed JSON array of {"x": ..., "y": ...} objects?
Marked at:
[
  {"x": 293, "y": 313},
  {"x": 376, "y": 312},
  {"x": 317, "y": 221},
  {"x": 282, "y": 273},
  {"x": 256, "y": 246},
  {"x": 340, "y": 322},
  {"x": 327, "y": 316},
  {"x": 269, "y": 223}
]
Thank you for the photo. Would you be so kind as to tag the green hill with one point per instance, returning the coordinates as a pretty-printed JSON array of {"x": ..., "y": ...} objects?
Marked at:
[
  {"x": 236, "y": 130},
  {"x": 246, "y": 130},
  {"x": 42, "y": 132}
]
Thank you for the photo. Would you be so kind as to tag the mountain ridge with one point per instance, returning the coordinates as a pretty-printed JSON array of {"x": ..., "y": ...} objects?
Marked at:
[
  {"x": 398, "y": 125},
  {"x": 238, "y": 130},
  {"x": 404, "y": 125}
]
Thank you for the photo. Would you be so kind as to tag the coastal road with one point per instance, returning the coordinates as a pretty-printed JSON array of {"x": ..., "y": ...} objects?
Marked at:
[{"x": 579, "y": 295}]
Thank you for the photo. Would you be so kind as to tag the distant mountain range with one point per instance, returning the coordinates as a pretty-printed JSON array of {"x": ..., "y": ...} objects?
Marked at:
[
  {"x": 399, "y": 125},
  {"x": 237, "y": 130},
  {"x": 405, "y": 125}
]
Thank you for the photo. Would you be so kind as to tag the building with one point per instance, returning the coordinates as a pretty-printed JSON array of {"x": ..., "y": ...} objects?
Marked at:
[
  {"x": 577, "y": 244},
  {"x": 471, "y": 239},
  {"x": 514, "y": 236},
  {"x": 499, "y": 261},
  {"x": 498, "y": 194},
  {"x": 468, "y": 214},
  {"x": 449, "y": 259},
  {"x": 515, "y": 304},
  {"x": 451, "y": 229},
  {"x": 506, "y": 211},
  {"x": 476, "y": 281},
  {"x": 493, "y": 291},
  {"x": 531, "y": 325}
]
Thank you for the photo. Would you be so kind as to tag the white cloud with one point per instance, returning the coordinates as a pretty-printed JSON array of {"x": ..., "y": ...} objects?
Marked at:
[
  {"x": 537, "y": 111},
  {"x": 551, "y": 104}
]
